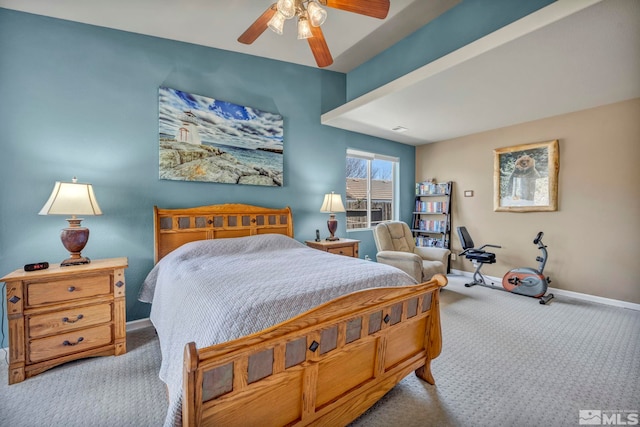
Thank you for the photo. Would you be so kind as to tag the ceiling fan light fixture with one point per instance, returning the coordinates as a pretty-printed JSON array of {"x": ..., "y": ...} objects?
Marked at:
[
  {"x": 317, "y": 15},
  {"x": 276, "y": 23},
  {"x": 287, "y": 8},
  {"x": 311, "y": 15},
  {"x": 304, "y": 28}
]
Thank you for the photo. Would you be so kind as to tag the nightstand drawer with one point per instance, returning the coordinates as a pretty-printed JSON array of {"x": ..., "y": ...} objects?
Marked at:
[
  {"x": 345, "y": 247},
  {"x": 69, "y": 343},
  {"x": 67, "y": 320},
  {"x": 39, "y": 293},
  {"x": 344, "y": 250}
]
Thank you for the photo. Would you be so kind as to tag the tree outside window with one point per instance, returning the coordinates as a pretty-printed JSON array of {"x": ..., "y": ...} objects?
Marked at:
[{"x": 371, "y": 182}]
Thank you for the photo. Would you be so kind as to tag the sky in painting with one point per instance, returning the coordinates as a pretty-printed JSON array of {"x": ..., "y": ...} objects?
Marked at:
[{"x": 220, "y": 122}]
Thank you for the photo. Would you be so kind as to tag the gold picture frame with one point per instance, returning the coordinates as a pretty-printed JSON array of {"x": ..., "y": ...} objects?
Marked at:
[{"x": 525, "y": 177}]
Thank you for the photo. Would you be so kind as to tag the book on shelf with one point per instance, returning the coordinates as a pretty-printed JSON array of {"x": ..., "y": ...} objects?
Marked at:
[
  {"x": 431, "y": 207},
  {"x": 430, "y": 188},
  {"x": 431, "y": 242},
  {"x": 431, "y": 225}
]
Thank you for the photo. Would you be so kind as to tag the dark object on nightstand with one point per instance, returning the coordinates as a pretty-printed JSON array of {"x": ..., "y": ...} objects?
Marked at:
[{"x": 36, "y": 266}]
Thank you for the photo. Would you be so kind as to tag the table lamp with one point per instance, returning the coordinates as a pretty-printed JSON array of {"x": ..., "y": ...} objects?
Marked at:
[
  {"x": 72, "y": 198},
  {"x": 332, "y": 203}
]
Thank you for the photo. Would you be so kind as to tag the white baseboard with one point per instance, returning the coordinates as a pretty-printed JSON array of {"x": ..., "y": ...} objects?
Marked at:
[
  {"x": 564, "y": 293},
  {"x": 594, "y": 298},
  {"x": 134, "y": 325}
]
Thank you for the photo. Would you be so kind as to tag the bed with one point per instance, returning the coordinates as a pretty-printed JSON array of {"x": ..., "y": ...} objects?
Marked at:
[{"x": 256, "y": 328}]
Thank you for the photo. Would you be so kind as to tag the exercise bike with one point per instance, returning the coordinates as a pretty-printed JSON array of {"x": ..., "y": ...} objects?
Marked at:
[{"x": 529, "y": 281}]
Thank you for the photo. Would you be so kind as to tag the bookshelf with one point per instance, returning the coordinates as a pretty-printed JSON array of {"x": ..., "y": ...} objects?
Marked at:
[{"x": 432, "y": 214}]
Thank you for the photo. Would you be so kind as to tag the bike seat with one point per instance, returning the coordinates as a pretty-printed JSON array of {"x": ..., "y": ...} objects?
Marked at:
[{"x": 481, "y": 256}]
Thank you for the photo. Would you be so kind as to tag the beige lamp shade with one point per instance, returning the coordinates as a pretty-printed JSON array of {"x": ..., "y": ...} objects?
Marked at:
[
  {"x": 332, "y": 203},
  {"x": 71, "y": 198}
]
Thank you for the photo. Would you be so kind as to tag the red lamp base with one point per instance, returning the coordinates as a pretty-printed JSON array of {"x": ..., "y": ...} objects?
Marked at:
[
  {"x": 332, "y": 225},
  {"x": 74, "y": 238}
]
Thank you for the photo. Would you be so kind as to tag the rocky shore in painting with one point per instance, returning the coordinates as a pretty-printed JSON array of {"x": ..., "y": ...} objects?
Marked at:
[{"x": 188, "y": 162}]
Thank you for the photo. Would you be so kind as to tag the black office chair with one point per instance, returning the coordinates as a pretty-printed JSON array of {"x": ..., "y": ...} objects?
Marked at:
[{"x": 477, "y": 256}]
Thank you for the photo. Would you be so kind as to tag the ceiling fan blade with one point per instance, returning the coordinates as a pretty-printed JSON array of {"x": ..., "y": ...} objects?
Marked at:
[
  {"x": 258, "y": 27},
  {"x": 374, "y": 8},
  {"x": 319, "y": 47}
]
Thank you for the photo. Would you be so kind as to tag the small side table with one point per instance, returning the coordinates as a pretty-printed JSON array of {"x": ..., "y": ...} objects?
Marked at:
[{"x": 346, "y": 247}]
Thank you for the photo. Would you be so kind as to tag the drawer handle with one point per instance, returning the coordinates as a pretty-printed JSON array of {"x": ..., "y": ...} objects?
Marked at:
[
  {"x": 71, "y": 288},
  {"x": 73, "y": 343},
  {"x": 67, "y": 320}
]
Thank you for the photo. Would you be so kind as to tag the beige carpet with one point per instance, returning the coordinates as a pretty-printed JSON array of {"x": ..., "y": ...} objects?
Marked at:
[{"x": 506, "y": 361}]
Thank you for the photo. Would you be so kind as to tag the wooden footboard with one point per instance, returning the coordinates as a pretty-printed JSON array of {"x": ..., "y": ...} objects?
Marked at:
[{"x": 323, "y": 367}]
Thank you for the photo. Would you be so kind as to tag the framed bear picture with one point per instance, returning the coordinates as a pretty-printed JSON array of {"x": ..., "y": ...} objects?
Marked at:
[{"x": 525, "y": 177}]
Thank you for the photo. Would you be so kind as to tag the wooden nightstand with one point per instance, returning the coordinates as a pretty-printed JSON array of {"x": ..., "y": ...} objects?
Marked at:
[
  {"x": 65, "y": 313},
  {"x": 347, "y": 247}
]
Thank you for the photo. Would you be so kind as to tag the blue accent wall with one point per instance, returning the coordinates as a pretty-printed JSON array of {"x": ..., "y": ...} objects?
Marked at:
[
  {"x": 79, "y": 100},
  {"x": 468, "y": 21}
]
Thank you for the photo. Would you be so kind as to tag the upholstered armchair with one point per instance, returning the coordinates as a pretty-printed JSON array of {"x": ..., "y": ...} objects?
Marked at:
[{"x": 397, "y": 247}]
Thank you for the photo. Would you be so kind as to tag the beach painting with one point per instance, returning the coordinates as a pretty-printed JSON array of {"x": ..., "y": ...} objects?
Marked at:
[{"x": 209, "y": 140}]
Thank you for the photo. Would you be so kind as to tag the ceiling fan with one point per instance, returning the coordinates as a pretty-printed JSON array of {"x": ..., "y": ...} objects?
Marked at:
[{"x": 311, "y": 16}]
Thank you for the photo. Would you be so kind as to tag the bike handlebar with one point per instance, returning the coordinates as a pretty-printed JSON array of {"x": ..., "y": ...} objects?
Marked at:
[{"x": 538, "y": 238}]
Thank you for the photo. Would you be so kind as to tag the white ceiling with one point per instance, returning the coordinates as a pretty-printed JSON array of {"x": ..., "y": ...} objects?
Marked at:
[
  {"x": 568, "y": 56},
  {"x": 352, "y": 38}
]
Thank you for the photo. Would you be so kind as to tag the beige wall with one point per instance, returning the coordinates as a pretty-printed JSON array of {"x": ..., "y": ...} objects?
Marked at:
[{"x": 594, "y": 237}]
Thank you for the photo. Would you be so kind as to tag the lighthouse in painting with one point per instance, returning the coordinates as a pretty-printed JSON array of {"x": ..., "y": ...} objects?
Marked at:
[{"x": 188, "y": 131}]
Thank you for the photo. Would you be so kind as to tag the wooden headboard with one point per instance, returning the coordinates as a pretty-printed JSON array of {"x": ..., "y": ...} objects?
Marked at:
[{"x": 175, "y": 227}]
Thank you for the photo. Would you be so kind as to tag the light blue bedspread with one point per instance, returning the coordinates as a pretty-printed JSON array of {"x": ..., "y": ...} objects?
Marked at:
[{"x": 213, "y": 291}]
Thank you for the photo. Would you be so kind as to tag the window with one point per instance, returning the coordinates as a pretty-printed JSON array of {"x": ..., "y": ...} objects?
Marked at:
[{"x": 371, "y": 189}]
